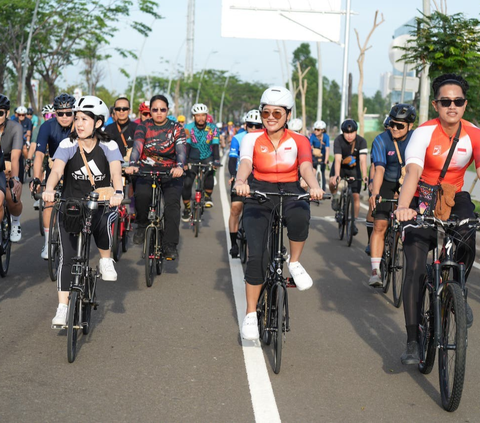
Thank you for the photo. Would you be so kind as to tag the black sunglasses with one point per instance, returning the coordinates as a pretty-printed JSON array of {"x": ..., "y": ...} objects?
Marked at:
[
  {"x": 446, "y": 102},
  {"x": 254, "y": 125},
  {"x": 2, "y": 112},
  {"x": 393, "y": 124},
  {"x": 157, "y": 110},
  {"x": 146, "y": 113},
  {"x": 122, "y": 109},
  {"x": 61, "y": 114}
]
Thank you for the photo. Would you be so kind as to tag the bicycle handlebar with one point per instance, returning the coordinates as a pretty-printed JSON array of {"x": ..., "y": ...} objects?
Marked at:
[{"x": 432, "y": 222}]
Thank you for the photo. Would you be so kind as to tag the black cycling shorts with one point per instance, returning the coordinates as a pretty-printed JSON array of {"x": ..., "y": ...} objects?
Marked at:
[{"x": 388, "y": 191}]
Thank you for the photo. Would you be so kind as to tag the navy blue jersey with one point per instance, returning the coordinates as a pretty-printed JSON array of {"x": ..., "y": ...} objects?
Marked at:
[
  {"x": 50, "y": 135},
  {"x": 385, "y": 155}
]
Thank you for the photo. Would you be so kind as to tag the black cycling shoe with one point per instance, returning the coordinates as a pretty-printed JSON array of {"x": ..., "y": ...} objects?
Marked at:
[
  {"x": 469, "y": 313},
  {"x": 171, "y": 252},
  {"x": 187, "y": 212},
  {"x": 234, "y": 251},
  {"x": 411, "y": 354},
  {"x": 139, "y": 236},
  {"x": 367, "y": 250}
]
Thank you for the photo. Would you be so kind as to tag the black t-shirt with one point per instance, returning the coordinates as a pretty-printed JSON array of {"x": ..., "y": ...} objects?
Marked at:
[
  {"x": 341, "y": 146},
  {"x": 76, "y": 183},
  {"x": 128, "y": 130}
]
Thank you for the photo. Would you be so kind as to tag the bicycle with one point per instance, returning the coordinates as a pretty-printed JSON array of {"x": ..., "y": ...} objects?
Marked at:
[
  {"x": 345, "y": 216},
  {"x": 121, "y": 227},
  {"x": 198, "y": 205},
  {"x": 153, "y": 245},
  {"x": 242, "y": 242},
  {"x": 272, "y": 306},
  {"x": 393, "y": 260},
  {"x": 443, "y": 325},
  {"x": 41, "y": 205},
  {"x": 5, "y": 243}
]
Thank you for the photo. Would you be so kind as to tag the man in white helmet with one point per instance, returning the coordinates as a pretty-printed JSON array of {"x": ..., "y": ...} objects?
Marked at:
[{"x": 320, "y": 141}]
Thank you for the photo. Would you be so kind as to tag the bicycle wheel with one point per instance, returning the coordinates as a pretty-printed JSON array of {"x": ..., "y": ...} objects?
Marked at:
[
  {"x": 340, "y": 216},
  {"x": 41, "y": 207},
  {"x": 427, "y": 330},
  {"x": 384, "y": 274},
  {"x": 72, "y": 326},
  {"x": 149, "y": 255},
  {"x": 196, "y": 218},
  {"x": 350, "y": 219},
  {"x": 279, "y": 328},
  {"x": 263, "y": 311},
  {"x": 90, "y": 300},
  {"x": 453, "y": 346},
  {"x": 6, "y": 246},
  {"x": 116, "y": 242},
  {"x": 53, "y": 245},
  {"x": 159, "y": 252},
  {"x": 125, "y": 235},
  {"x": 398, "y": 270}
]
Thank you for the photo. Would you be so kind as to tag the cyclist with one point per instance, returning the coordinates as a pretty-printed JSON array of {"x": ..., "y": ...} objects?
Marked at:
[
  {"x": 144, "y": 112},
  {"x": 276, "y": 155},
  {"x": 295, "y": 125},
  {"x": 253, "y": 122},
  {"x": 181, "y": 120},
  {"x": 202, "y": 146},
  {"x": 51, "y": 134},
  {"x": 320, "y": 139},
  {"x": 33, "y": 118},
  {"x": 122, "y": 131},
  {"x": 11, "y": 135},
  {"x": 388, "y": 177},
  {"x": 350, "y": 160},
  {"x": 159, "y": 145},
  {"x": 104, "y": 160},
  {"x": 425, "y": 157}
]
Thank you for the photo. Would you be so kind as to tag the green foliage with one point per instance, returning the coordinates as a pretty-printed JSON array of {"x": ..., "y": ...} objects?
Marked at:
[
  {"x": 449, "y": 44},
  {"x": 302, "y": 55}
]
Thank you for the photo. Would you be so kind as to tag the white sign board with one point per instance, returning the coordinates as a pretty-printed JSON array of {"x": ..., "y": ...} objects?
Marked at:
[
  {"x": 394, "y": 54},
  {"x": 299, "y": 20}
]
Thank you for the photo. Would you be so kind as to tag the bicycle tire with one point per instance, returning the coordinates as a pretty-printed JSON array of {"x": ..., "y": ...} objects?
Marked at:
[
  {"x": 263, "y": 310},
  {"x": 72, "y": 326},
  {"x": 53, "y": 245},
  {"x": 384, "y": 274},
  {"x": 87, "y": 305},
  {"x": 159, "y": 252},
  {"x": 125, "y": 235},
  {"x": 350, "y": 219},
  {"x": 279, "y": 322},
  {"x": 149, "y": 255},
  {"x": 452, "y": 358},
  {"x": 341, "y": 224},
  {"x": 398, "y": 270},
  {"x": 116, "y": 242},
  {"x": 427, "y": 331},
  {"x": 196, "y": 219},
  {"x": 6, "y": 247},
  {"x": 386, "y": 263},
  {"x": 41, "y": 207}
]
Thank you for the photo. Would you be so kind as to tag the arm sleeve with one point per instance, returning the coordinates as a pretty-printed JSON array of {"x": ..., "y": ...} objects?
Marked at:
[
  {"x": 216, "y": 152},
  {"x": 232, "y": 166},
  {"x": 180, "y": 145},
  {"x": 139, "y": 140}
]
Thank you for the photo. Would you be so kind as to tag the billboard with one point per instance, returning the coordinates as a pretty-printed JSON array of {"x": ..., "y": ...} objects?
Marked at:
[{"x": 299, "y": 20}]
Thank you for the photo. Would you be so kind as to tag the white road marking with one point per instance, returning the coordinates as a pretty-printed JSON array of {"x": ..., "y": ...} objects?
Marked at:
[{"x": 261, "y": 391}]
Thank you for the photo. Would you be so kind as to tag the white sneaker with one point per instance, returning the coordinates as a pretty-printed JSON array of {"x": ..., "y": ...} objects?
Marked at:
[
  {"x": 36, "y": 204},
  {"x": 375, "y": 279},
  {"x": 44, "y": 253},
  {"x": 16, "y": 232},
  {"x": 250, "y": 327},
  {"x": 60, "y": 318},
  {"x": 107, "y": 270},
  {"x": 300, "y": 276}
]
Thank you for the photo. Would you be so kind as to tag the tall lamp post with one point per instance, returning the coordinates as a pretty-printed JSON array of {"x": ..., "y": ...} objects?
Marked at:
[{"x": 203, "y": 73}]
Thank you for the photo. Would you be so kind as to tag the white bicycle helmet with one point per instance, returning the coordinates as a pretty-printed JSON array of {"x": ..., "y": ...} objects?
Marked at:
[
  {"x": 319, "y": 124},
  {"x": 253, "y": 116},
  {"x": 21, "y": 110},
  {"x": 219, "y": 125},
  {"x": 92, "y": 104},
  {"x": 199, "y": 108},
  {"x": 277, "y": 96},
  {"x": 295, "y": 125},
  {"x": 48, "y": 109}
]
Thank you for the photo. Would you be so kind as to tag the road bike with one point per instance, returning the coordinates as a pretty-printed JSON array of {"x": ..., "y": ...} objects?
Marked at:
[
  {"x": 392, "y": 265},
  {"x": 443, "y": 325},
  {"x": 153, "y": 245},
  {"x": 198, "y": 205},
  {"x": 272, "y": 306},
  {"x": 121, "y": 227},
  {"x": 345, "y": 216}
]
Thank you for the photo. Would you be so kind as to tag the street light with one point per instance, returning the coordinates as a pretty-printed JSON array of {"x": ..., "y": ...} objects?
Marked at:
[
  {"x": 223, "y": 93},
  {"x": 203, "y": 73}
]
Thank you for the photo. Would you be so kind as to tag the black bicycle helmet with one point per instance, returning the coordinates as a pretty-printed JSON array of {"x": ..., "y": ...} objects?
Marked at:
[
  {"x": 386, "y": 122},
  {"x": 349, "y": 126},
  {"x": 4, "y": 102},
  {"x": 403, "y": 113},
  {"x": 29, "y": 111},
  {"x": 64, "y": 101}
]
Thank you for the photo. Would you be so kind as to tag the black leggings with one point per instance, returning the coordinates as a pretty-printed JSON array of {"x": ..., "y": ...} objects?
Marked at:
[
  {"x": 190, "y": 177},
  {"x": 102, "y": 233},
  {"x": 256, "y": 219},
  {"x": 172, "y": 189},
  {"x": 418, "y": 242}
]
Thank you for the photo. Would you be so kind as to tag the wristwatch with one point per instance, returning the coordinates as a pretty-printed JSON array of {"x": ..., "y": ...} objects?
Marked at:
[
  {"x": 119, "y": 192},
  {"x": 16, "y": 178}
]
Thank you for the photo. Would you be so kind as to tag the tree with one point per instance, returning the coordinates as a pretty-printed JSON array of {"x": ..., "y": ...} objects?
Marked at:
[{"x": 449, "y": 44}]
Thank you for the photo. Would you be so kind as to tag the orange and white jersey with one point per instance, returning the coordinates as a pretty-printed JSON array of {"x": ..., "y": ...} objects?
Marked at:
[
  {"x": 429, "y": 147},
  {"x": 276, "y": 165}
]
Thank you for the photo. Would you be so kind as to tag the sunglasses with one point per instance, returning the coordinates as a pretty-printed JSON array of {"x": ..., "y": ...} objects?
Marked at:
[
  {"x": 459, "y": 102},
  {"x": 122, "y": 109},
  {"x": 48, "y": 115},
  {"x": 62, "y": 114},
  {"x": 395, "y": 124},
  {"x": 2, "y": 112},
  {"x": 277, "y": 114},
  {"x": 162, "y": 110},
  {"x": 146, "y": 113},
  {"x": 317, "y": 130},
  {"x": 20, "y": 114},
  {"x": 254, "y": 125}
]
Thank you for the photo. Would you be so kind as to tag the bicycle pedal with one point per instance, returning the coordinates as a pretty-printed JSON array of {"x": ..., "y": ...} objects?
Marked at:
[
  {"x": 58, "y": 327},
  {"x": 291, "y": 283}
]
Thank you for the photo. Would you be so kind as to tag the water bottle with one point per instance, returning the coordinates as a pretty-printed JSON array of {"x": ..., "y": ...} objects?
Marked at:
[{"x": 93, "y": 201}]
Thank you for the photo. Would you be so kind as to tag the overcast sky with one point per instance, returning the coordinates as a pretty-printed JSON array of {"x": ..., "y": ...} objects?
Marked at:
[{"x": 258, "y": 60}]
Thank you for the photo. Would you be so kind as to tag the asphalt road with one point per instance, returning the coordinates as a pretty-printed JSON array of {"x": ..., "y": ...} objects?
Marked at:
[{"x": 172, "y": 352}]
